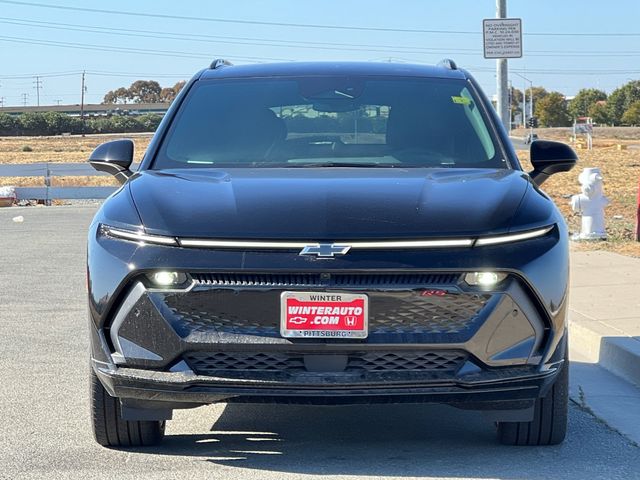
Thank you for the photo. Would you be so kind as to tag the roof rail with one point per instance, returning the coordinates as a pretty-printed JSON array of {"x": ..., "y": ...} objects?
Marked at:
[
  {"x": 219, "y": 63},
  {"x": 448, "y": 63}
]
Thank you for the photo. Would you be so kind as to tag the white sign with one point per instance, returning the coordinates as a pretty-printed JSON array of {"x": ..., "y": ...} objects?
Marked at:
[{"x": 502, "y": 37}]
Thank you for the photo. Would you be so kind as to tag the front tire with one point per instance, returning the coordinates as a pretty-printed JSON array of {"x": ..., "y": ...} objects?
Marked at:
[
  {"x": 110, "y": 430},
  {"x": 549, "y": 425}
]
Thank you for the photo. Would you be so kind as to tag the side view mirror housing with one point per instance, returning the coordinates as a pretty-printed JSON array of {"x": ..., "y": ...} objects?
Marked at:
[
  {"x": 548, "y": 158},
  {"x": 114, "y": 157}
]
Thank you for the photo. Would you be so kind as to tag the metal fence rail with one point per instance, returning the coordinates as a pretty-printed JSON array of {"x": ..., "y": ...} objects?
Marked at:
[{"x": 47, "y": 170}]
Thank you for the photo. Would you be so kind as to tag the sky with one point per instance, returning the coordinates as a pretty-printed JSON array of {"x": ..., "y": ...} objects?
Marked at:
[{"x": 568, "y": 44}]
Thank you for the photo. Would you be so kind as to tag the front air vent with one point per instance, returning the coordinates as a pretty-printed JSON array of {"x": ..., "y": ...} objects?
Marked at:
[{"x": 335, "y": 280}]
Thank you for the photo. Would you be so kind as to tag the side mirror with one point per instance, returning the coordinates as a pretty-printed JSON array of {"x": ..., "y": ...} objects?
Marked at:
[
  {"x": 115, "y": 158},
  {"x": 548, "y": 158}
]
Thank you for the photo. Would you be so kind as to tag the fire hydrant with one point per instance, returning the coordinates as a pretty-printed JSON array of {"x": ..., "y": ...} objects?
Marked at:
[{"x": 590, "y": 203}]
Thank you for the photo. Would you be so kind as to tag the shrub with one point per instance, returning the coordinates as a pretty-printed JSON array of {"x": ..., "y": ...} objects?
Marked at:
[
  {"x": 27, "y": 148},
  {"x": 55, "y": 123},
  {"x": 8, "y": 124}
]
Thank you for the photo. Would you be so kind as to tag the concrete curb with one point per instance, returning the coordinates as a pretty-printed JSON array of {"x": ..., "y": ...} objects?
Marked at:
[{"x": 618, "y": 354}]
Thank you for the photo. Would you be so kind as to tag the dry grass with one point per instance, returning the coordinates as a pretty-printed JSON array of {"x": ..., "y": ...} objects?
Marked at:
[
  {"x": 621, "y": 170},
  {"x": 70, "y": 149},
  {"x": 600, "y": 134}
]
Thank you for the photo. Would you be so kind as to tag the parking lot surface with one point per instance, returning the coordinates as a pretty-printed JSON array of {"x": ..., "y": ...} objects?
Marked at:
[{"x": 45, "y": 431}]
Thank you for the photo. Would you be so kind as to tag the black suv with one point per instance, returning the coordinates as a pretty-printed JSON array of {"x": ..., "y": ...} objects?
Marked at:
[{"x": 329, "y": 233}]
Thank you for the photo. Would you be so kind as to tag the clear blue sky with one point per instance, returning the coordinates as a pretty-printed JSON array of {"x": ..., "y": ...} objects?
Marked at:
[{"x": 36, "y": 40}]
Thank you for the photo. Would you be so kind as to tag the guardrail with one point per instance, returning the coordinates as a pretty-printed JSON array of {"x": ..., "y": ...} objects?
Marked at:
[{"x": 48, "y": 170}]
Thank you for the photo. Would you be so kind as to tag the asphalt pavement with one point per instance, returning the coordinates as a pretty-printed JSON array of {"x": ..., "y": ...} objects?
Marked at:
[{"x": 45, "y": 430}]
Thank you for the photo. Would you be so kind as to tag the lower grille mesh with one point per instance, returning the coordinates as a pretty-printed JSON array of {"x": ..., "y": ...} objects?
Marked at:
[{"x": 217, "y": 363}]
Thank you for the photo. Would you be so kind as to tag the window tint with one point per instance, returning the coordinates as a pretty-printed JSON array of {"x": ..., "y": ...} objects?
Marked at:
[{"x": 308, "y": 121}]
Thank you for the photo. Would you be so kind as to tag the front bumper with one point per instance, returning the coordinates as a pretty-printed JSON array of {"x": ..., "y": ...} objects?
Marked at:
[
  {"x": 214, "y": 341},
  {"x": 511, "y": 389}
]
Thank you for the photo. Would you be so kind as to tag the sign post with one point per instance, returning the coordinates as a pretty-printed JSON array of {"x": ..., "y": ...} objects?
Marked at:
[{"x": 502, "y": 39}]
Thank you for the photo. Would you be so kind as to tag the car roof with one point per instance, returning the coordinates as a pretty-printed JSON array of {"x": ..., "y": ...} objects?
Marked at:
[{"x": 294, "y": 69}]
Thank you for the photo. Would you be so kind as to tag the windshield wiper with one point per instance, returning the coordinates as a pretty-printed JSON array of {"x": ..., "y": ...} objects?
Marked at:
[{"x": 342, "y": 164}]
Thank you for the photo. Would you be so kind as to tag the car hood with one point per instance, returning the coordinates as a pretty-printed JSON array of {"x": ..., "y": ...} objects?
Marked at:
[{"x": 327, "y": 203}]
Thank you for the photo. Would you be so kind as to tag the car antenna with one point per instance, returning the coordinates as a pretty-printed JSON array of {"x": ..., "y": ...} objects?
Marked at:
[
  {"x": 220, "y": 63},
  {"x": 448, "y": 63}
]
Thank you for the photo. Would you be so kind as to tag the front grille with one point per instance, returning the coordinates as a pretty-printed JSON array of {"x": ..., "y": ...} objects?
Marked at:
[
  {"x": 417, "y": 314},
  {"x": 291, "y": 280},
  {"x": 221, "y": 363},
  {"x": 258, "y": 313},
  {"x": 445, "y": 361}
]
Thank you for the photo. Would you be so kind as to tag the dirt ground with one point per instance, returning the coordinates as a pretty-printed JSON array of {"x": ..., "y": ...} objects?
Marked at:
[{"x": 620, "y": 167}]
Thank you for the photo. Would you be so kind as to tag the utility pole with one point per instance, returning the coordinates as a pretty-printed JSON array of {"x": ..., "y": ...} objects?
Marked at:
[
  {"x": 502, "y": 75},
  {"x": 83, "y": 89},
  {"x": 38, "y": 86},
  {"x": 510, "y": 103},
  {"x": 1, "y": 102},
  {"x": 24, "y": 99},
  {"x": 524, "y": 98}
]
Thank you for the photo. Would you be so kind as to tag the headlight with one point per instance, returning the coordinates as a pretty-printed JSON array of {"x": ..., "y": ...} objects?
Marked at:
[
  {"x": 138, "y": 236},
  {"x": 484, "y": 279},
  {"x": 513, "y": 237},
  {"x": 165, "y": 278}
]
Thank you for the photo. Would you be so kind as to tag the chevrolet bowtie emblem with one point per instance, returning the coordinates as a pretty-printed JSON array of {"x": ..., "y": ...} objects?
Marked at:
[{"x": 325, "y": 249}]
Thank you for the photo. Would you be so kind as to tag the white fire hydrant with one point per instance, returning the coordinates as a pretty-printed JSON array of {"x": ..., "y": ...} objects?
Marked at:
[{"x": 590, "y": 203}]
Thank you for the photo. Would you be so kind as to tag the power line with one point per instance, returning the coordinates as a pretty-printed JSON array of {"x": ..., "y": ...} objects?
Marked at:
[
  {"x": 102, "y": 48},
  {"x": 235, "y": 21},
  {"x": 270, "y": 42},
  {"x": 19, "y": 76},
  {"x": 302, "y": 25},
  {"x": 247, "y": 41}
]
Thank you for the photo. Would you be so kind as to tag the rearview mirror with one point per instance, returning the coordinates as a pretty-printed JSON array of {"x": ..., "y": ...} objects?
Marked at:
[
  {"x": 114, "y": 157},
  {"x": 548, "y": 158}
]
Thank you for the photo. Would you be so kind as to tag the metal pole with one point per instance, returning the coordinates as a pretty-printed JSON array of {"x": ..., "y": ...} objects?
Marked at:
[
  {"x": 638, "y": 216},
  {"x": 47, "y": 184},
  {"x": 38, "y": 83},
  {"x": 510, "y": 104},
  {"x": 82, "y": 104},
  {"x": 502, "y": 74},
  {"x": 531, "y": 93}
]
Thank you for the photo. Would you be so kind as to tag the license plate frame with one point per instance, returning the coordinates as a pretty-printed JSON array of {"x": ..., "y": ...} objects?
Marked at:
[{"x": 308, "y": 325}]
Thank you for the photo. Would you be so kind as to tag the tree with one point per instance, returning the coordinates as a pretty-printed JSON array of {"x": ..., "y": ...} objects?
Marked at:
[
  {"x": 57, "y": 123},
  {"x": 149, "y": 122},
  {"x": 145, "y": 91},
  {"x": 516, "y": 101},
  {"x": 32, "y": 123},
  {"x": 585, "y": 99},
  {"x": 8, "y": 124},
  {"x": 552, "y": 110},
  {"x": 621, "y": 99},
  {"x": 120, "y": 95},
  {"x": 632, "y": 115},
  {"x": 167, "y": 94},
  {"x": 599, "y": 113}
]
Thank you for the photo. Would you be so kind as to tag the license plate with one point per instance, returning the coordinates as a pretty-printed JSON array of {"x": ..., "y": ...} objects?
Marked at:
[{"x": 323, "y": 315}]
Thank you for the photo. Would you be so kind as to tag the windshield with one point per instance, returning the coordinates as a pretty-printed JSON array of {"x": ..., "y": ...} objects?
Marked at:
[{"x": 330, "y": 122}]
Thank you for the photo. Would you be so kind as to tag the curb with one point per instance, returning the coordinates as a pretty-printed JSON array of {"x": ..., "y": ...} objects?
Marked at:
[{"x": 618, "y": 354}]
